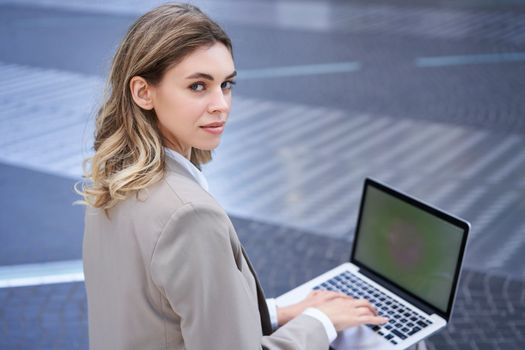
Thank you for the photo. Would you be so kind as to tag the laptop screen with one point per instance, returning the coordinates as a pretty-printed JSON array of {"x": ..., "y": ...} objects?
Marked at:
[{"x": 416, "y": 247}]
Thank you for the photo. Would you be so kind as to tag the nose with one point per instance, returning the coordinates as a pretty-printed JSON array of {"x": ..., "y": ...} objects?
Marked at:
[{"x": 220, "y": 102}]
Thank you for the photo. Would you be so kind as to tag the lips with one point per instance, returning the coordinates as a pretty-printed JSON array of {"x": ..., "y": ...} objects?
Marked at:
[
  {"x": 214, "y": 128},
  {"x": 213, "y": 125}
]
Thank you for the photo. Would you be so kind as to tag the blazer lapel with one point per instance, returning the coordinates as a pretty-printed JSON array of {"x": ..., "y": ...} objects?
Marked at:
[{"x": 261, "y": 300}]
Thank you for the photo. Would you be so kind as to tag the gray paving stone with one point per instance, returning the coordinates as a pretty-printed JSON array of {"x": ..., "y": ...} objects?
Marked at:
[{"x": 54, "y": 316}]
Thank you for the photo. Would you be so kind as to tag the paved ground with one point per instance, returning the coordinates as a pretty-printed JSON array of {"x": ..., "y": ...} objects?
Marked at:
[
  {"x": 489, "y": 314},
  {"x": 426, "y": 95}
]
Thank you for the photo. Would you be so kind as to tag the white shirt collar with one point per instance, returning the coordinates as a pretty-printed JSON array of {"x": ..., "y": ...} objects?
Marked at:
[{"x": 186, "y": 164}]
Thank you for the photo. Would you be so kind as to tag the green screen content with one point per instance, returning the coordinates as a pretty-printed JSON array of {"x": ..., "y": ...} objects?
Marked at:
[{"x": 414, "y": 249}]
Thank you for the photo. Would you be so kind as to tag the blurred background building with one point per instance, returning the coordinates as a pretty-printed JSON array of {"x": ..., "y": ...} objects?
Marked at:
[{"x": 428, "y": 96}]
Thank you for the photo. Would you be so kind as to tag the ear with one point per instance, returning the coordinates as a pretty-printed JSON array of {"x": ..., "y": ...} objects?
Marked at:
[{"x": 142, "y": 92}]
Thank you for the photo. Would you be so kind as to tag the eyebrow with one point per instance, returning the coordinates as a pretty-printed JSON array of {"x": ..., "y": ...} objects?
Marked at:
[{"x": 208, "y": 76}]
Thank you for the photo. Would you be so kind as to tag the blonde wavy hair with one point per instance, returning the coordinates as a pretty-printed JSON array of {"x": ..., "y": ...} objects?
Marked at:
[{"x": 129, "y": 154}]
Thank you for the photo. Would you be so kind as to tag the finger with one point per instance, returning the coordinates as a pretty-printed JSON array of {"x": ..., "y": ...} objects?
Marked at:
[
  {"x": 364, "y": 311},
  {"x": 373, "y": 319},
  {"x": 329, "y": 295},
  {"x": 330, "y": 292},
  {"x": 363, "y": 302}
]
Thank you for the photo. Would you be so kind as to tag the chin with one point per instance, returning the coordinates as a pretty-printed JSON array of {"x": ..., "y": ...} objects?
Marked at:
[{"x": 208, "y": 146}]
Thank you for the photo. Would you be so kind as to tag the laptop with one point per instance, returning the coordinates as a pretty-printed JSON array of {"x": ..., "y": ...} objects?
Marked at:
[{"x": 406, "y": 260}]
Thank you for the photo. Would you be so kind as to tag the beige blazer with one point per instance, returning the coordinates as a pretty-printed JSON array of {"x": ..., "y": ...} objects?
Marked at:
[{"x": 167, "y": 271}]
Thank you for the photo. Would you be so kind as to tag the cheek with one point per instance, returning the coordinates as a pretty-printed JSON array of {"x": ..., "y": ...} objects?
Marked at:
[{"x": 177, "y": 111}]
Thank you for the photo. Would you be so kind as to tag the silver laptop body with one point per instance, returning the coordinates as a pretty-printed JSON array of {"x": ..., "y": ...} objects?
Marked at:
[{"x": 406, "y": 260}]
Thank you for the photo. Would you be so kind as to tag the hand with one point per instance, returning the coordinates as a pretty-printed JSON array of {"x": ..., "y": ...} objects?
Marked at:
[
  {"x": 314, "y": 299},
  {"x": 345, "y": 312}
]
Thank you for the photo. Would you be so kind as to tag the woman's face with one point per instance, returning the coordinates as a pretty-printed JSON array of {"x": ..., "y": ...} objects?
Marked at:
[{"x": 192, "y": 95}]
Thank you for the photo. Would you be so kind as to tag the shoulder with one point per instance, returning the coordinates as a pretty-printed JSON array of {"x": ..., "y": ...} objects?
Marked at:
[
  {"x": 173, "y": 195},
  {"x": 176, "y": 203},
  {"x": 196, "y": 208}
]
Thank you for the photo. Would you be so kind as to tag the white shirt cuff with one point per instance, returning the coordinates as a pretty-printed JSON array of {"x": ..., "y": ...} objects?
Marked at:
[
  {"x": 272, "y": 310},
  {"x": 327, "y": 324}
]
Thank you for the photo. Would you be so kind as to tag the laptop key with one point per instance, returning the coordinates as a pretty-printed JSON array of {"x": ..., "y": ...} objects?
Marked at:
[
  {"x": 388, "y": 336},
  {"x": 399, "y": 334},
  {"x": 414, "y": 330},
  {"x": 422, "y": 324}
]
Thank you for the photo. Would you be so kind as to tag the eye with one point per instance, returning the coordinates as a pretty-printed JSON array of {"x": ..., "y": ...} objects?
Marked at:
[
  {"x": 199, "y": 86},
  {"x": 228, "y": 84}
]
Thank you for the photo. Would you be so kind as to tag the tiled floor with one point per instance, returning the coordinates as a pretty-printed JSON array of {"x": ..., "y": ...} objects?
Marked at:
[{"x": 489, "y": 312}]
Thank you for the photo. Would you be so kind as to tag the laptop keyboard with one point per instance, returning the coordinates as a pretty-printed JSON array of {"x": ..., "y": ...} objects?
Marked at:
[{"x": 402, "y": 323}]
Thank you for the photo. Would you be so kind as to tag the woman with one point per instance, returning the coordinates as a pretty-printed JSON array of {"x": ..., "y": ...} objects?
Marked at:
[{"x": 163, "y": 266}]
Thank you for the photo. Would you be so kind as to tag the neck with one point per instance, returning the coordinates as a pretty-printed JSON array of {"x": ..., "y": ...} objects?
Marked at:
[{"x": 186, "y": 153}]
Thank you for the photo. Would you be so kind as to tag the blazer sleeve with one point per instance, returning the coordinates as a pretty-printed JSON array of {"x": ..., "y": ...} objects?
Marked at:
[{"x": 195, "y": 266}]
